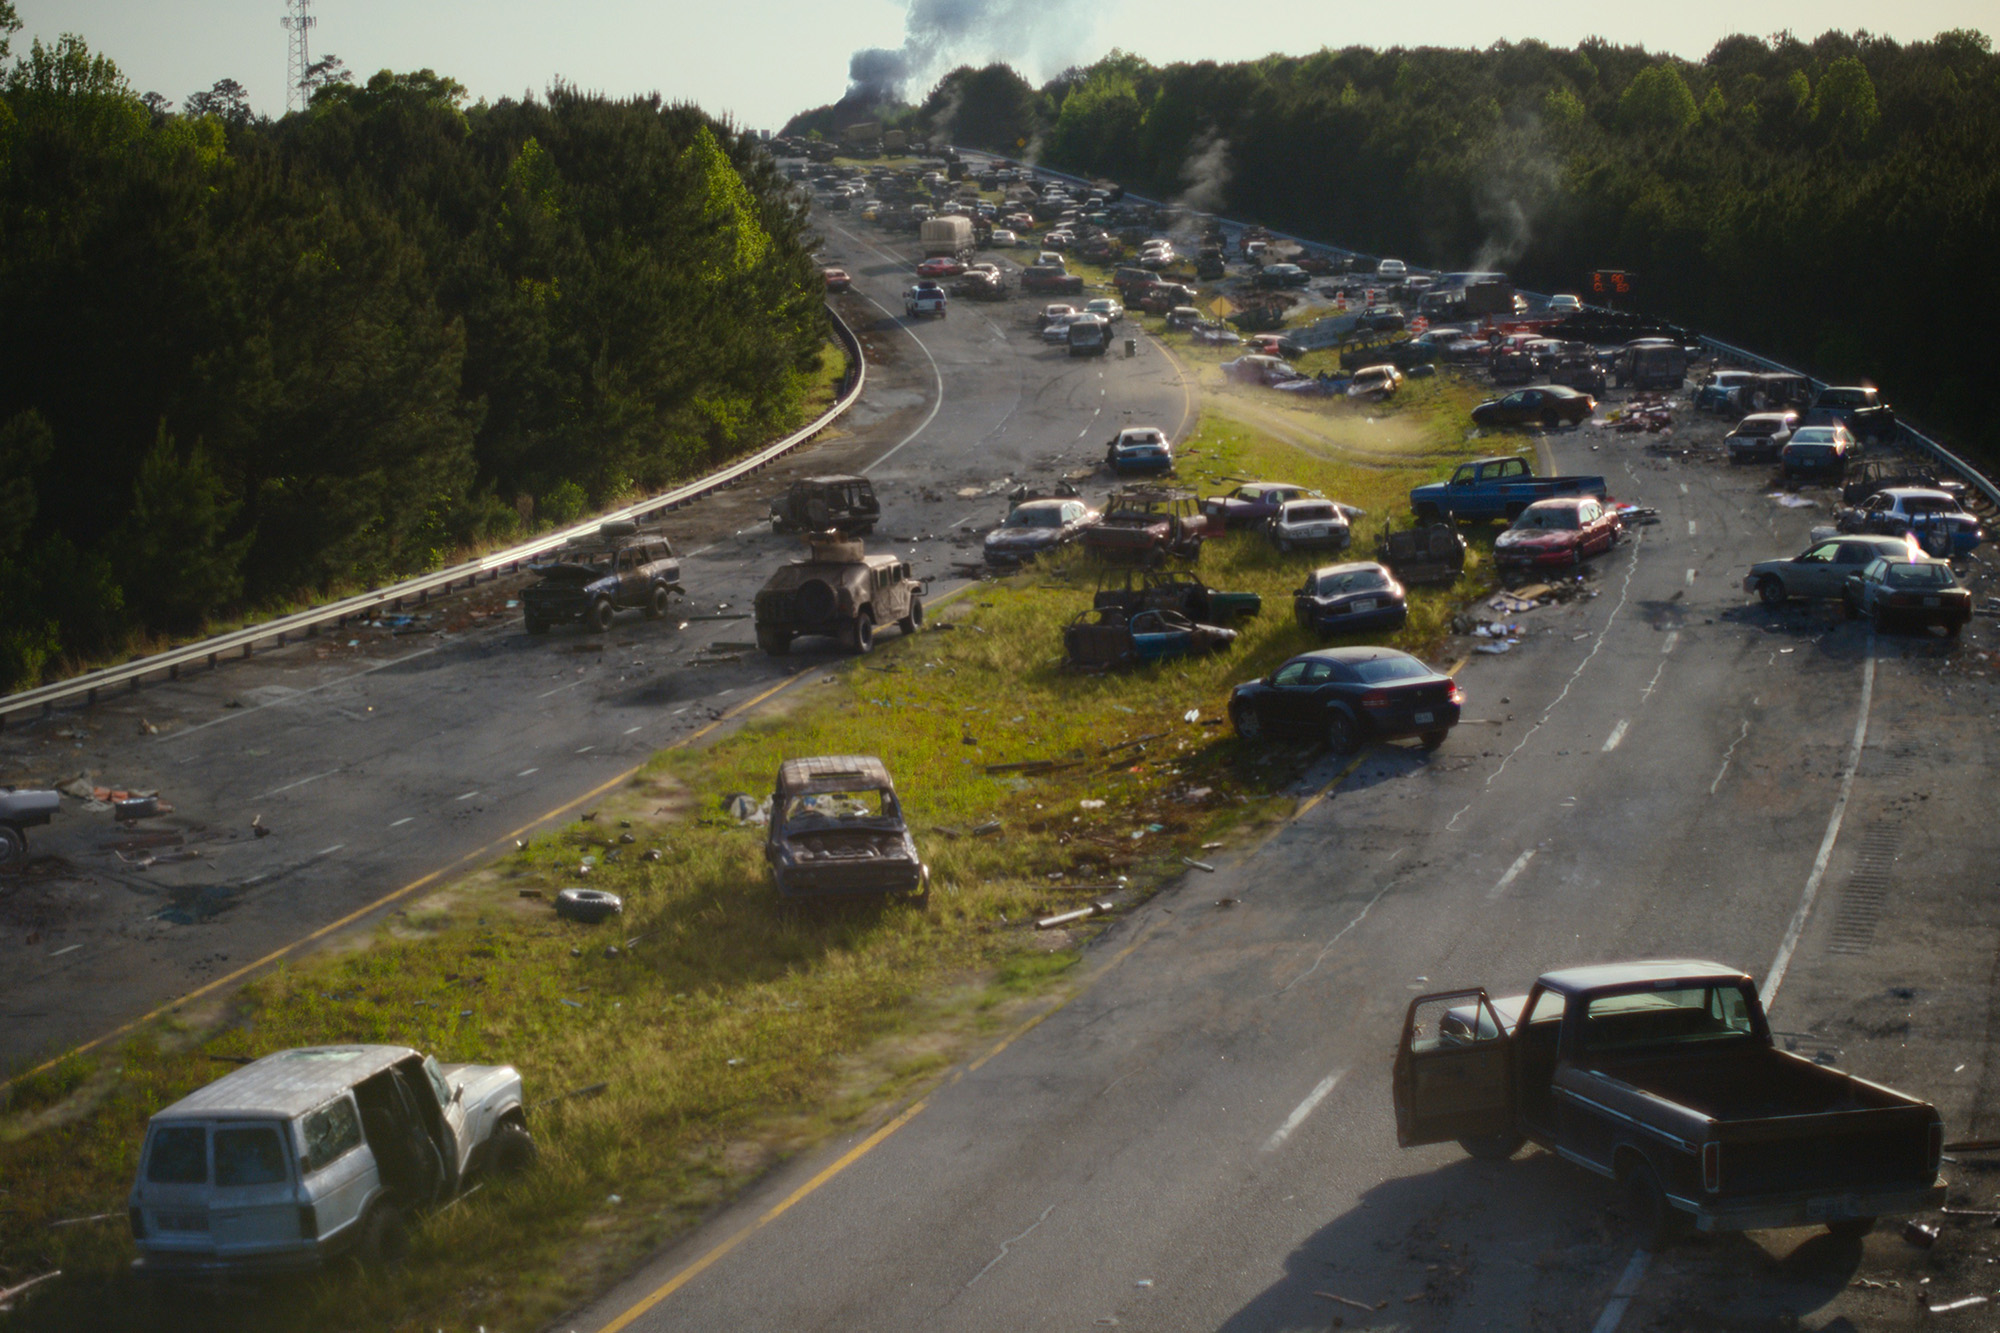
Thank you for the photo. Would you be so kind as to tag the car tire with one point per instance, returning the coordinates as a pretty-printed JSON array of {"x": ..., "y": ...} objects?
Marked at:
[
  {"x": 1550, "y": 421},
  {"x": 588, "y": 906},
  {"x": 914, "y": 621},
  {"x": 385, "y": 1238},
  {"x": 1651, "y": 1216},
  {"x": 513, "y": 1150},
  {"x": 1771, "y": 591},
  {"x": 1246, "y": 723},
  {"x": 1343, "y": 736},
  {"x": 774, "y": 642},
  {"x": 861, "y": 638},
  {"x": 13, "y": 846},
  {"x": 659, "y": 602},
  {"x": 1492, "y": 1147},
  {"x": 601, "y": 615},
  {"x": 1430, "y": 741}
]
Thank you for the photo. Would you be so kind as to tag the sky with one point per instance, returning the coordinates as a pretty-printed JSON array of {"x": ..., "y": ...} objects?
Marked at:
[{"x": 759, "y": 61}]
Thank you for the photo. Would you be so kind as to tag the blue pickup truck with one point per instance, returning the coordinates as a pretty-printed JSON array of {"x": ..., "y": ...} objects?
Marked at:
[{"x": 1490, "y": 488}]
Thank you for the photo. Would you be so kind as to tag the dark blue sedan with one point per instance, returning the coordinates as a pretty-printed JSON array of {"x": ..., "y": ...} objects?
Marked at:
[
  {"x": 1350, "y": 599},
  {"x": 1347, "y": 697}
]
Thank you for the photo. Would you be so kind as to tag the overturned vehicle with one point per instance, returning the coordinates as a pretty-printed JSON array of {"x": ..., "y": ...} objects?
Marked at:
[{"x": 837, "y": 830}]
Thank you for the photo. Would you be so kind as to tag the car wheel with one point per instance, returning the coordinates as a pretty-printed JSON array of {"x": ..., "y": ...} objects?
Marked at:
[
  {"x": 13, "y": 845},
  {"x": 513, "y": 1150},
  {"x": 602, "y": 614},
  {"x": 1492, "y": 1147},
  {"x": 1246, "y": 723},
  {"x": 1651, "y": 1216},
  {"x": 657, "y": 604},
  {"x": 385, "y": 1238},
  {"x": 1431, "y": 740},
  {"x": 914, "y": 621},
  {"x": 1771, "y": 591},
  {"x": 775, "y": 642},
  {"x": 1342, "y": 736},
  {"x": 861, "y": 639}
]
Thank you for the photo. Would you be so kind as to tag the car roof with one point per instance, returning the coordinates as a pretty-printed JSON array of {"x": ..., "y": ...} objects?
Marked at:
[
  {"x": 1878, "y": 540},
  {"x": 285, "y": 1084},
  {"x": 1767, "y": 416},
  {"x": 1351, "y": 567},
  {"x": 1360, "y": 653},
  {"x": 1048, "y": 502},
  {"x": 1652, "y": 971},
  {"x": 832, "y": 772},
  {"x": 1563, "y": 502},
  {"x": 1918, "y": 492}
]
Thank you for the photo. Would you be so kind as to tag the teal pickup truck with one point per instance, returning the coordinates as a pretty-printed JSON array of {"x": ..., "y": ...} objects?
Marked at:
[{"x": 1490, "y": 488}]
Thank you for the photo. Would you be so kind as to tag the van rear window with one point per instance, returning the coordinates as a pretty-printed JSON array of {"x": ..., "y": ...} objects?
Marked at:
[
  {"x": 249, "y": 1156},
  {"x": 179, "y": 1156}
]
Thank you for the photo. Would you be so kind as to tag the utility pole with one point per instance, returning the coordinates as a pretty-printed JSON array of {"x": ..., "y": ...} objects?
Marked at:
[{"x": 297, "y": 22}]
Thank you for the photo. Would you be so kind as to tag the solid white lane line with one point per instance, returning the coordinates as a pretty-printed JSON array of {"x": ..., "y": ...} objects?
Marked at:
[
  {"x": 1302, "y": 1110},
  {"x": 295, "y": 695},
  {"x": 524, "y": 772},
  {"x": 468, "y": 796},
  {"x": 1617, "y": 735},
  {"x": 1622, "y": 1294},
  {"x": 560, "y": 688},
  {"x": 328, "y": 851},
  {"x": 1792, "y": 932},
  {"x": 300, "y": 783},
  {"x": 1667, "y": 644},
  {"x": 404, "y": 820},
  {"x": 1513, "y": 873}
]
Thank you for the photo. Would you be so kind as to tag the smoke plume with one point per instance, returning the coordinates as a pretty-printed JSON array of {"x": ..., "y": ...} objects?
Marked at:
[
  {"x": 937, "y": 34},
  {"x": 1205, "y": 173},
  {"x": 1522, "y": 180}
]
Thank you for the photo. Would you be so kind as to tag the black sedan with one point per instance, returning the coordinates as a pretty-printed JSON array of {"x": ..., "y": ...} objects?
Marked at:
[
  {"x": 1547, "y": 406},
  {"x": 1349, "y": 696},
  {"x": 1350, "y": 599}
]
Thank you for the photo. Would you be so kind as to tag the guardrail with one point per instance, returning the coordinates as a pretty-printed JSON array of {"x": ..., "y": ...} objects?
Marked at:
[{"x": 306, "y": 623}]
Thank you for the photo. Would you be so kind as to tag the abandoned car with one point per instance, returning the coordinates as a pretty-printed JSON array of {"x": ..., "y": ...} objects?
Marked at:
[
  {"x": 827, "y": 504},
  {"x": 595, "y": 577},
  {"x": 837, "y": 829},
  {"x": 1105, "y": 637}
]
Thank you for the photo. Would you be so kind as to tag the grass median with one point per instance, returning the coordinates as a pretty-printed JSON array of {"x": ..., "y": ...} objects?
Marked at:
[{"x": 725, "y": 1036}]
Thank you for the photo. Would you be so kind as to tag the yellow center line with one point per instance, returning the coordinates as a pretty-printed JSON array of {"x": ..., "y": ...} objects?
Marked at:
[{"x": 497, "y": 845}]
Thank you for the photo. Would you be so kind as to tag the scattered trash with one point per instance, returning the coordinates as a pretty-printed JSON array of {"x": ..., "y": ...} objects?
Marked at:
[
  {"x": 257, "y": 826},
  {"x": 745, "y": 809},
  {"x": 571, "y": 1003},
  {"x": 146, "y": 728},
  {"x": 1090, "y": 804},
  {"x": 613, "y": 1198},
  {"x": 1227, "y": 902},
  {"x": 1064, "y": 918},
  {"x": 1192, "y": 715},
  {"x": 1921, "y": 1234},
  {"x": 1493, "y": 647},
  {"x": 78, "y": 786},
  {"x": 135, "y": 808},
  {"x": 1791, "y": 501},
  {"x": 1198, "y": 865},
  {"x": 989, "y": 828}
]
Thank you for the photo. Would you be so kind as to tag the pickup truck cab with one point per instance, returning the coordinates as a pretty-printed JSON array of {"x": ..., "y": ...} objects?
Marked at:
[
  {"x": 1490, "y": 488},
  {"x": 1858, "y": 407},
  {"x": 1662, "y": 1076}
]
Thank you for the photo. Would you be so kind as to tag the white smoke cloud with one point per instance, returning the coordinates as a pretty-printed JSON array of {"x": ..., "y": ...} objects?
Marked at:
[
  {"x": 1206, "y": 173},
  {"x": 1041, "y": 35}
]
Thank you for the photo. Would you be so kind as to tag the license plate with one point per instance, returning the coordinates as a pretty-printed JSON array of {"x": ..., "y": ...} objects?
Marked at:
[
  {"x": 1365, "y": 604},
  {"x": 182, "y": 1221},
  {"x": 1932, "y": 601},
  {"x": 1422, "y": 718}
]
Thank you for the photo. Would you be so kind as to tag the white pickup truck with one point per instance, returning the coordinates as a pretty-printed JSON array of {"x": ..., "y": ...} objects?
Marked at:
[{"x": 308, "y": 1154}]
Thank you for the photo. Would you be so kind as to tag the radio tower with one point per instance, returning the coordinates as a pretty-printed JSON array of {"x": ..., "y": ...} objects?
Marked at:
[{"x": 298, "y": 22}]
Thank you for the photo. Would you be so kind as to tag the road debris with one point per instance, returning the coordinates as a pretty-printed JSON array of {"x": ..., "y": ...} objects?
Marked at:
[
  {"x": 1198, "y": 865},
  {"x": 1064, "y": 918},
  {"x": 1351, "y": 1302},
  {"x": 1963, "y": 1304},
  {"x": 1920, "y": 1234}
]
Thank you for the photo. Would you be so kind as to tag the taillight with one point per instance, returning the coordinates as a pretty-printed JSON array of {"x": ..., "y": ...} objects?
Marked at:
[
  {"x": 1375, "y": 699},
  {"x": 1457, "y": 695},
  {"x": 138, "y": 1218},
  {"x": 1711, "y": 1167},
  {"x": 308, "y": 1222}
]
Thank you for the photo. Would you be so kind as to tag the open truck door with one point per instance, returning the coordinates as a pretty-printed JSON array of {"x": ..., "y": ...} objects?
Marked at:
[{"x": 1453, "y": 1075}]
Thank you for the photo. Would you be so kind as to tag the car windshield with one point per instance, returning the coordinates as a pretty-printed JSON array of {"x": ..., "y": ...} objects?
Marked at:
[
  {"x": 1677, "y": 1017},
  {"x": 1926, "y": 575},
  {"x": 1381, "y": 670},
  {"x": 1813, "y": 435},
  {"x": 1353, "y": 580},
  {"x": 1556, "y": 518},
  {"x": 839, "y": 807},
  {"x": 1035, "y": 516}
]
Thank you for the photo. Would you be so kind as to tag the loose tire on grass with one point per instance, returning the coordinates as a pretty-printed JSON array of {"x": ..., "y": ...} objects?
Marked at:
[{"x": 588, "y": 906}]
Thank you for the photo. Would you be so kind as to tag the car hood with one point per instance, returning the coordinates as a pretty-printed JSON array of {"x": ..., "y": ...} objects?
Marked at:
[
  {"x": 1024, "y": 537},
  {"x": 569, "y": 576},
  {"x": 1536, "y": 537}
]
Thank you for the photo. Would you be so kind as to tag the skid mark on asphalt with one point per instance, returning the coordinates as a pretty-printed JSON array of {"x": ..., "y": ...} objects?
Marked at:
[
  {"x": 1624, "y": 594},
  {"x": 1009, "y": 1244},
  {"x": 1728, "y": 754}
]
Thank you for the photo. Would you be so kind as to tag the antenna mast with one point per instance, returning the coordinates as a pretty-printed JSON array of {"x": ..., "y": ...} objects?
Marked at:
[{"x": 298, "y": 22}]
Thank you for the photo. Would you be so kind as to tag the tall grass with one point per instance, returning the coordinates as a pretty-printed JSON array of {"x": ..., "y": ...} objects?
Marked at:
[{"x": 726, "y": 1034}]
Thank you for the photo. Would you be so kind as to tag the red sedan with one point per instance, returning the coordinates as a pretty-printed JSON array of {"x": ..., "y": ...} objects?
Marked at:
[
  {"x": 837, "y": 280},
  {"x": 942, "y": 266},
  {"x": 1559, "y": 532}
]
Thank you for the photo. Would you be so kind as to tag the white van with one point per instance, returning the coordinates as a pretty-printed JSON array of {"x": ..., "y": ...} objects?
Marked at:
[{"x": 307, "y": 1154}]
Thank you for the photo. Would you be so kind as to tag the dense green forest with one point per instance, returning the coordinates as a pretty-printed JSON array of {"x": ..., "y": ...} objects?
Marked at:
[
  {"x": 1834, "y": 203},
  {"x": 245, "y": 360}
]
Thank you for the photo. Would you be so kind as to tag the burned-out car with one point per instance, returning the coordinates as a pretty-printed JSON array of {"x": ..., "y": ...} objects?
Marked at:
[
  {"x": 309, "y": 1154},
  {"x": 837, "y": 829},
  {"x": 838, "y": 591},
  {"x": 593, "y": 578},
  {"x": 1105, "y": 637},
  {"x": 827, "y": 504},
  {"x": 1134, "y": 590},
  {"x": 1433, "y": 553},
  {"x": 1144, "y": 525}
]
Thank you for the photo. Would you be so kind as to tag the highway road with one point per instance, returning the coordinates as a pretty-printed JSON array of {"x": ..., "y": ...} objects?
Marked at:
[
  {"x": 379, "y": 760},
  {"x": 1202, "y": 1137}
]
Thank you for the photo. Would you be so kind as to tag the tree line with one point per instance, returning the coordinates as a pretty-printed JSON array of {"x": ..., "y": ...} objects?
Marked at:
[
  {"x": 247, "y": 360},
  {"x": 1831, "y": 202}
]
